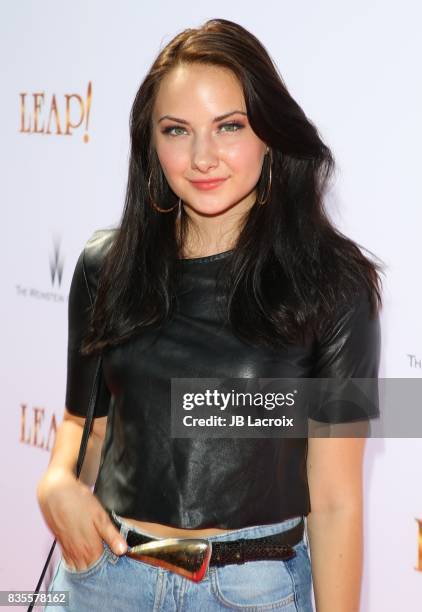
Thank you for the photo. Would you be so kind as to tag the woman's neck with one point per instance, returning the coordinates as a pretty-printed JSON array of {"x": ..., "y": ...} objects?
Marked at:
[{"x": 209, "y": 235}]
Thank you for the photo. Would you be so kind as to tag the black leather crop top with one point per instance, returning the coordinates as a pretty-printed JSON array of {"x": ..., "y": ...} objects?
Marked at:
[{"x": 227, "y": 483}]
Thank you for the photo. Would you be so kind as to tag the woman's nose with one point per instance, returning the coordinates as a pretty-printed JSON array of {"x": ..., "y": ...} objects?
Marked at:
[{"x": 204, "y": 154}]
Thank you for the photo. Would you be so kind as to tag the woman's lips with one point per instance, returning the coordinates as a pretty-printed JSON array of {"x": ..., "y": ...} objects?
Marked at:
[{"x": 206, "y": 185}]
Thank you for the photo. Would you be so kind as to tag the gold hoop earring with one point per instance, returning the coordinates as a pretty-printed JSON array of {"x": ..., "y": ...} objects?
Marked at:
[
  {"x": 157, "y": 208},
  {"x": 260, "y": 201}
]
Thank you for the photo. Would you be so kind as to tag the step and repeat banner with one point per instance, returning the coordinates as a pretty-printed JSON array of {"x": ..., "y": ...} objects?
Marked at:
[{"x": 69, "y": 76}]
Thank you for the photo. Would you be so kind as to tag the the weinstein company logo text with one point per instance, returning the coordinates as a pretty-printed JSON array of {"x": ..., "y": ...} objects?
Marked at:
[
  {"x": 56, "y": 266},
  {"x": 55, "y": 115}
]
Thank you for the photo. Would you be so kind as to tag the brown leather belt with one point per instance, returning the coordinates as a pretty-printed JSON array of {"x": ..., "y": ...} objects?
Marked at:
[{"x": 190, "y": 557}]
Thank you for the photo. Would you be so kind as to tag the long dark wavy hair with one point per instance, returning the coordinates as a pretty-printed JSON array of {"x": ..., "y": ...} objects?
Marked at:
[{"x": 290, "y": 268}]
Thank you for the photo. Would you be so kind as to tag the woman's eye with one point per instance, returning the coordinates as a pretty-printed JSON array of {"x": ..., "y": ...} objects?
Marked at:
[
  {"x": 233, "y": 125},
  {"x": 168, "y": 130}
]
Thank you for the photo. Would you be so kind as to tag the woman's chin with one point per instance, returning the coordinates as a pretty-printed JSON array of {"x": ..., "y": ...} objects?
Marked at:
[{"x": 209, "y": 209}]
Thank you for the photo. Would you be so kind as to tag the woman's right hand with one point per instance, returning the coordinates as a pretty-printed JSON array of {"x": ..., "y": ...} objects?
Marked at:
[{"x": 77, "y": 519}]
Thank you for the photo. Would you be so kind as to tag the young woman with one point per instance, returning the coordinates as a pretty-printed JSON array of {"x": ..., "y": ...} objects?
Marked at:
[{"x": 224, "y": 264}]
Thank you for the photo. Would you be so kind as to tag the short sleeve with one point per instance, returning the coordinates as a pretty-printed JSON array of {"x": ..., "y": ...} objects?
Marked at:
[
  {"x": 348, "y": 347},
  {"x": 81, "y": 368}
]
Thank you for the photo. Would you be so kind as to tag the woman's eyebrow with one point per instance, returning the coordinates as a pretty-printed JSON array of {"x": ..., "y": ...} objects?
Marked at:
[{"x": 219, "y": 118}]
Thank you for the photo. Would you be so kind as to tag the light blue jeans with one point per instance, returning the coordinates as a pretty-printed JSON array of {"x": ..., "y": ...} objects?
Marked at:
[{"x": 116, "y": 583}]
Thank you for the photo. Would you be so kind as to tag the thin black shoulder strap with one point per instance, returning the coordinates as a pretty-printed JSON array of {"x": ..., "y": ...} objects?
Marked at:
[{"x": 89, "y": 416}]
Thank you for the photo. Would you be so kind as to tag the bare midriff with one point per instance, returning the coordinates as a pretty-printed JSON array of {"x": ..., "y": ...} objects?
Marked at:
[{"x": 164, "y": 531}]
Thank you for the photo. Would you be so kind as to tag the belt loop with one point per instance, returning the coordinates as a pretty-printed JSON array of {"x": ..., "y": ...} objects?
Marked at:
[
  {"x": 124, "y": 528},
  {"x": 240, "y": 553}
]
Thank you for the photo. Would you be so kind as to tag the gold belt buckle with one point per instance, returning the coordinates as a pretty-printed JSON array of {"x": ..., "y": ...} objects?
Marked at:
[{"x": 189, "y": 557}]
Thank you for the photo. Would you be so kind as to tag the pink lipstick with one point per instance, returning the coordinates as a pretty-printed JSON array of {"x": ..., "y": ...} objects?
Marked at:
[{"x": 208, "y": 184}]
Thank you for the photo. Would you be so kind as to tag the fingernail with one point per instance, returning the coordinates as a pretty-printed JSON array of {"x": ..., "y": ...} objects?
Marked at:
[{"x": 122, "y": 547}]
